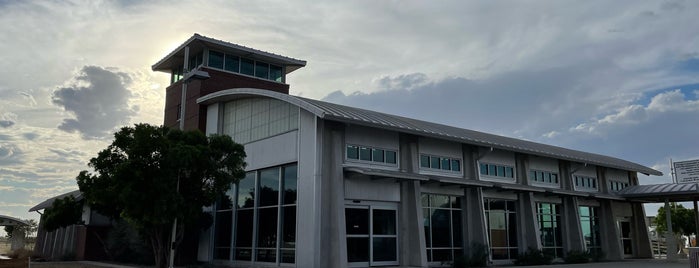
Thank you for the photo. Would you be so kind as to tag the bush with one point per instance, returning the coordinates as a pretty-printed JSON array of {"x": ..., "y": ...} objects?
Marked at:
[
  {"x": 576, "y": 256},
  {"x": 533, "y": 256},
  {"x": 596, "y": 255},
  {"x": 477, "y": 258},
  {"x": 126, "y": 245}
]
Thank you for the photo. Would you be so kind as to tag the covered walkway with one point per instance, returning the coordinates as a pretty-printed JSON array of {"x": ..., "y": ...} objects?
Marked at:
[{"x": 18, "y": 236}]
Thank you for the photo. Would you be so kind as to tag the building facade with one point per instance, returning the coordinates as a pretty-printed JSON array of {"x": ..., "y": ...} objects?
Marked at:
[{"x": 336, "y": 186}]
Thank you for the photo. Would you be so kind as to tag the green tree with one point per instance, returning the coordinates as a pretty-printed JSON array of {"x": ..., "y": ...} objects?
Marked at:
[
  {"x": 682, "y": 220},
  {"x": 151, "y": 175},
  {"x": 27, "y": 230},
  {"x": 62, "y": 213}
]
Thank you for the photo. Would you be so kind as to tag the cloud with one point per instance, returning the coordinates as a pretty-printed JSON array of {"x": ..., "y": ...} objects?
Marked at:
[
  {"x": 99, "y": 100},
  {"x": 29, "y": 97},
  {"x": 10, "y": 154},
  {"x": 8, "y": 120}
]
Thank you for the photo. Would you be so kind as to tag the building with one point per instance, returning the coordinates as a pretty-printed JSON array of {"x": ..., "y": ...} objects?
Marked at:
[{"x": 336, "y": 186}]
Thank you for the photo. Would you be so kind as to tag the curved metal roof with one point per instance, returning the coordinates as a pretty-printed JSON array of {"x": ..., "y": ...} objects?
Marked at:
[
  {"x": 7, "y": 220},
  {"x": 49, "y": 202},
  {"x": 346, "y": 114}
]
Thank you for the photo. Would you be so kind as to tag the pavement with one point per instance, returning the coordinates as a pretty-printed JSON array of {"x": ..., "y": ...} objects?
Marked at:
[{"x": 645, "y": 263}]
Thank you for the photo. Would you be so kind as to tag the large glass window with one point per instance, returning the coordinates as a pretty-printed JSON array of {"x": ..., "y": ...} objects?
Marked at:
[
  {"x": 549, "y": 218},
  {"x": 589, "y": 222},
  {"x": 502, "y": 228},
  {"x": 247, "y": 66},
  {"x": 275, "y": 73},
  {"x": 264, "y": 214},
  {"x": 442, "y": 227},
  {"x": 232, "y": 63},
  {"x": 262, "y": 70}
]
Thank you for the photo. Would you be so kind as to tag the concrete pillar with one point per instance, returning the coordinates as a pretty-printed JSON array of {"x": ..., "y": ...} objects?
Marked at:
[
  {"x": 473, "y": 216},
  {"x": 670, "y": 240},
  {"x": 18, "y": 238},
  {"x": 609, "y": 233},
  {"x": 333, "y": 249},
  {"x": 309, "y": 189},
  {"x": 528, "y": 231},
  {"x": 571, "y": 229},
  {"x": 411, "y": 235},
  {"x": 641, "y": 240}
]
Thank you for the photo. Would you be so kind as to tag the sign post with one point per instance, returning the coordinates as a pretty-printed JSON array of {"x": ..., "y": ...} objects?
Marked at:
[{"x": 687, "y": 171}]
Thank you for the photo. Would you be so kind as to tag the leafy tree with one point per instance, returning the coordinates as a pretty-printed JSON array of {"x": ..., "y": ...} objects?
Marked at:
[
  {"x": 28, "y": 230},
  {"x": 62, "y": 213},
  {"x": 151, "y": 175},
  {"x": 682, "y": 220}
]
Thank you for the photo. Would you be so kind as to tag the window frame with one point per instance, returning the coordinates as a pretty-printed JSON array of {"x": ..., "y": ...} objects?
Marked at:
[
  {"x": 372, "y": 150},
  {"x": 440, "y": 160}
]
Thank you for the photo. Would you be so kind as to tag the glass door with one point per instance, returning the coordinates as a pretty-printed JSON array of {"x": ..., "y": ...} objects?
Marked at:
[
  {"x": 626, "y": 242},
  {"x": 372, "y": 238}
]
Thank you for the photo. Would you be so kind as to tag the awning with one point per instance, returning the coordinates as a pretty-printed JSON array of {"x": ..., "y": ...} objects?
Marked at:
[
  {"x": 11, "y": 221},
  {"x": 675, "y": 192},
  {"x": 460, "y": 182}
]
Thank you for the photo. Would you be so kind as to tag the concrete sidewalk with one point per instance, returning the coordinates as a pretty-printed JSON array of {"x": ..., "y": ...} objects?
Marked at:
[{"x": 684, "y": 263}]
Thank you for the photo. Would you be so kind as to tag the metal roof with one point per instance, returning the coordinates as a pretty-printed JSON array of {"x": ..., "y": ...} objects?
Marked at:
[
  {"x": 660, "y": 192},
  {"x": 7, "y": 221},
  {"x": 49, "y": 202},
  {"x": 346, "y": 114},
  {"x": 197, "y": 42}
]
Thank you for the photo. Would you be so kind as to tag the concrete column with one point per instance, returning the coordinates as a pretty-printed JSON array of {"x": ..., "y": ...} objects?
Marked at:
[
  {"x": 411, "y": 235},
  {"x": 473, "y": 216},
  {"x": 641, "y": 240},
  {"x": 609, "y": 233},
  {"x": 670, "y": 240},
  {"x": 309, "y": 188},
  {"x": 571, "y": 229},
  {"x": 528, "y": 231},
  {"x": 333, "y": 249}
]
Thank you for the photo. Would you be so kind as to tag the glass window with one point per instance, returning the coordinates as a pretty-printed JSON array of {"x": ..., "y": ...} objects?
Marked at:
[
  {"x": 352, "y": 152},
  {"x": 269, "y": 187},
  {"x": 377, "y": 155},
  {"x": 509, "y": 172},
  {"x": 215, "y": 59},
  {"x": 549, "y": 220},
  {"x": 232, "y": 63},
  {"x": 390, "y": 157},
  {"x": 246, "y": 191},
  {"x": 275, "y": 73},
  {"x": 261, "y": 70},
  {"x": 455, "y": 165},
  {"x": 365, "y": 153},
  {"x": 502, "y": 228},
  {"x": 424, "y": 161},
  {"x": 442, "y": 227},
  {"x": 484, "y": 169},
  {"x": 491, "y": 170},
  {"x": 446, "y": 164},
  {"x": 434, "y": 162},
  {"x": 290, "y": 178},
  {"x": 247, "y": 66}
]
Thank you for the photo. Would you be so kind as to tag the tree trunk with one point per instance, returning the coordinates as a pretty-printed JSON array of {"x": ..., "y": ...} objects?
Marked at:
[{"x": 159, "y": 249}]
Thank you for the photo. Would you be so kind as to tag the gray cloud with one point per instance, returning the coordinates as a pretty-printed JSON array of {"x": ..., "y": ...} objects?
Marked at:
[
  {"x": 30, "y": 135},
  {"x": 8, "y": 120},
  {"x": 99, "y": 100},
  {"x": 10, "y": 154}
]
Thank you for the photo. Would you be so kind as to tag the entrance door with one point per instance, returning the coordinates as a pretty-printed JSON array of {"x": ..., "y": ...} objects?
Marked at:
[
  {"x": 372, "y": 238},
  {"x": 626, "y": 242}
]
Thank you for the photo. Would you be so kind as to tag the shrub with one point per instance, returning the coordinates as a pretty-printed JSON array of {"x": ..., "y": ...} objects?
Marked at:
[
  {"x": 478, "y": 257},
  {"x": 576, "y": 256},
  {"x": 533, "y": 256},
  {"x": 596, "y": 255},
  {"x": 20, "y": 253}
]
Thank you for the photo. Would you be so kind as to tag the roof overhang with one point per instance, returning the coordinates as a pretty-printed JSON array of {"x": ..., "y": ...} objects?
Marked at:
[
  {"x": 49, "y": 202},
  {"x": 652, "y": 193},
  {"x": 384, "y": 174},
  {"x": 198, "y": 43}
]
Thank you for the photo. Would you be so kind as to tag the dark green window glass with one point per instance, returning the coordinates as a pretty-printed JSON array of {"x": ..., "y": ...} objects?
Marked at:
[
  {"x": 424, "y": 161},
  {"x": 377, "y": 155},
  {"x": 232, "y": 63},
  {"x": 446, "y": 164},
  {"x": 352, "y": 152},
  {"x": 455, "y": 165},
  {"x": 365, "y": 153},
  {"x": 275, "y": 73},
  {"x": 390, "y": 157},
  {"x": 262, "y": 70},
  {"x": 216, "y": 59},
  {"x": 434, "y": 162},
  {"x": 509, "y": 172},
  {"x": 247, "y": 66},
  {"x": 491, "y": 170},
  {"x": 484, "y": 169},
  {"x": 501, "y": 171}
]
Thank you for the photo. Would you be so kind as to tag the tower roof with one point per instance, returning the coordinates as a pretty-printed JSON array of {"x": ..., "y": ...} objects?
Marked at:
[{"x": 198, "y": 42}]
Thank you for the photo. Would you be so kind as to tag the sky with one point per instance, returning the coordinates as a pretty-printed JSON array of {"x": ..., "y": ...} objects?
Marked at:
[{"x": 619, "y": 78}]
